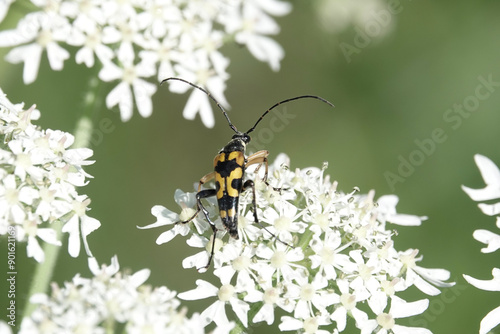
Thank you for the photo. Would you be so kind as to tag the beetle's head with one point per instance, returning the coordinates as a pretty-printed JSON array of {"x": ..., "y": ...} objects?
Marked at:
[{"x": 242, "y": 136}]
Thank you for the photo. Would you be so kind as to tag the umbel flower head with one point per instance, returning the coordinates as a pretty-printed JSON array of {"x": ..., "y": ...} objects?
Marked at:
[
  {"x": 491, "y": 176},
  {"x": 332, "y": 258},
  {"x": 106, "y": 301},
  {"x": 132, "y": 41},
  {"x": 39, "y": 174}
]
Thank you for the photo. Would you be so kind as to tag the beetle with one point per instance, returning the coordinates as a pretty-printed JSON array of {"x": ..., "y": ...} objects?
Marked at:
[{"x": 229, "y": 170}]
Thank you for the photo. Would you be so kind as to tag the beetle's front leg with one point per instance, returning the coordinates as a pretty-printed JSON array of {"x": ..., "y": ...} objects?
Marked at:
[{"x": 259, "y": 157}]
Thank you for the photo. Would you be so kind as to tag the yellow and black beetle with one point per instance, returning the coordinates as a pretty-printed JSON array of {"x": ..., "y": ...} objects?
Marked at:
[{"x": 229, "y": 169}]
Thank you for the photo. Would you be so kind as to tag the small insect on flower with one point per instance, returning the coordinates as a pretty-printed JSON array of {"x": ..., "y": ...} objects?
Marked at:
[{"x": 229, "y": 169}]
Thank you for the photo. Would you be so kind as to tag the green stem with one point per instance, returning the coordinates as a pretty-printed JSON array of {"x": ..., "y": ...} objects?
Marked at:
[
  {"x": 305, "y": 240},
  {"x": 43, "y": 271},
  {"x": 83, "y": 133}
]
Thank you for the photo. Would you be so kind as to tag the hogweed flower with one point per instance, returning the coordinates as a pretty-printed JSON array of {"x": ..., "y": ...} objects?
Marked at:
[
  {"x": 342, "y": 264},
  {"x": 131, "y": 42},
  {"x": 39, "y": 176},
  {"x": 110, "y": 299},
  {"x": 491, "y": 176}
]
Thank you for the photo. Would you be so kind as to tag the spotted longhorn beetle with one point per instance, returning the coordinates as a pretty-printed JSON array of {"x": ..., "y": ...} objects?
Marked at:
[{"x": 229, "y": 169}]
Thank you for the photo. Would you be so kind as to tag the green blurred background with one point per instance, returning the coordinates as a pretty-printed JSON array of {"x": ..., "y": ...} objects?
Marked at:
[{"x": 395, "y": 90}]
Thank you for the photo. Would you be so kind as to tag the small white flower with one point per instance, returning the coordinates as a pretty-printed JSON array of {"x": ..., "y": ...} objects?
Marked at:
[
  {"x": 309, "y": 325},
  {"x": 79, "y": 226},
  {"x": 346, "y": 304},
  {"x": 227, "y": 293},
  {"x": 311, "y": 297},
  {"x": 45, "y": 32},
  {"x": 31, "y": 231},
  {"x": 166, "y": 217},
  {"x": 200, "y": 260},
  {"x": 271, "y": 296},
  {"x": 399, "y": 308},
  {"x": 283, "y": 221},
  {"x": 281, "y": 260},
  {"x": 328, "y": 257},
  {"x": 254, "y": 26},
  {"x": 131, "y": 83},
  {"x": 424, "y": 279},
  {"x": 90, "y": 40}
]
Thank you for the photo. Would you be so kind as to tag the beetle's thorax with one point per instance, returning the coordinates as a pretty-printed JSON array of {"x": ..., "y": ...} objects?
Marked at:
[{"x": 237, "y": 143}]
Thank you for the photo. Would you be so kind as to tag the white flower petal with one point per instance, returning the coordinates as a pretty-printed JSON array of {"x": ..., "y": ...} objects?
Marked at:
[
  {"x": 290, "y": 324},
  {"x": 56, "y": 55},
  {"x": 34, "y": 250},
  {"x": 48, "y": 235},
  {"x": 406, "y": 220},
  {"x": 121, "y": 95},
  {"x": 491, "y": 176},
  {"x": 142, "y": 93},
  {"x": 216, "y": 313},
  {"x": 241, "y": 309},
  {"x": 398, "y": 329},
  {"x": 203, "y": 290},
  {"x": 492, "y": 240},
  {"x": 490, "y": 321},
  {"x": 30, "y": 54},
  {"x": 88, "y": 225},
  {"x": 140, "y": 277},
  {"x": 487, "y": 285},
  {"x": 490, "y": 209},
  {"x": 403, "y": 309},
  {"x": 72, "y": 228}
]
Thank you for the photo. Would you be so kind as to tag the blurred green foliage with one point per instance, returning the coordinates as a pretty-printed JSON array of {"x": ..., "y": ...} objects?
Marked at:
[{"x": 395, "y": 91}]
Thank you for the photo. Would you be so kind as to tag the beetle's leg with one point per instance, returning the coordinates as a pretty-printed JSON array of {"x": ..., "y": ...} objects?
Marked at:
[
  {"x": 199, "y": 195},
  {"x": 203, "y": 180},
  {"x": 204, "y": 194},
  {"x": 260, "y": 158},
  {"x": 200, "y": 207},
  {"x": 250, "y": 184}
]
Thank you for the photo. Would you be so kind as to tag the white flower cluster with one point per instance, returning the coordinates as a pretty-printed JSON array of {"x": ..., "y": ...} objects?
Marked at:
[
  {"x": 106, "y": 301},
  {"x": 491, "y": 176},
  {"x": 39, "y": 173},
  {"x": 342, "y": 265},
  {"x": 139, "y": 39}
]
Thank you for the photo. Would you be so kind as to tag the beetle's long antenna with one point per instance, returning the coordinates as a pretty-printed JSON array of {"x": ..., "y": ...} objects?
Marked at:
[
  {"x": 288, "y": 100},
  {"x": 210, "y": 96}
]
